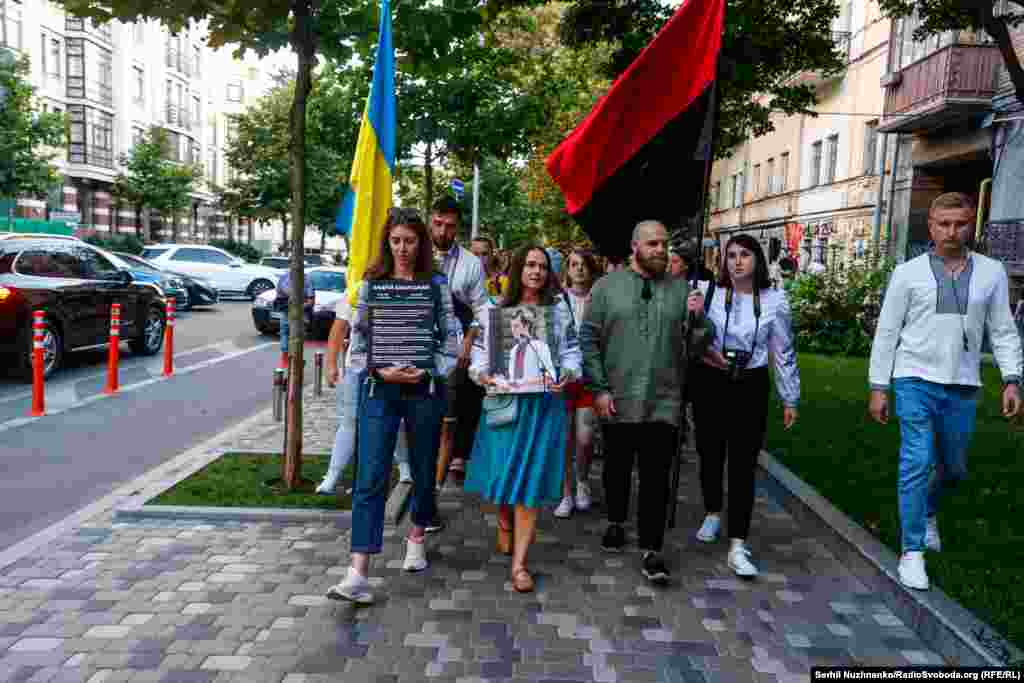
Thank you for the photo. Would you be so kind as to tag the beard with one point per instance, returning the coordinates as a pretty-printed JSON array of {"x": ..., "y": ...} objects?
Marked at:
[
  {"x": 443, "y": 244},
  {"x": 652, "y": 265}
]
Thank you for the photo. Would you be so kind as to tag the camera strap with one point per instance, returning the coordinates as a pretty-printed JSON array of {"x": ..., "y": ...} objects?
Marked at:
[{"x": 757, "y": 318}]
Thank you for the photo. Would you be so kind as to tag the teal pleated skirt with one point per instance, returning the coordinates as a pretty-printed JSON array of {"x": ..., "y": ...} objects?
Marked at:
[{"x": 522, "y": 464}]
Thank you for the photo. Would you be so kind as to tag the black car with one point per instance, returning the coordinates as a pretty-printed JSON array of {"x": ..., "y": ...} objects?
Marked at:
[
  {"x": 194, "y": 291},
  {"x": 75, "y": 284}
]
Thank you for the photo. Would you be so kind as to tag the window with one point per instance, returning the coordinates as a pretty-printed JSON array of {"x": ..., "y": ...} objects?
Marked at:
[
  {"x": 218, "y": 257},
  {"x": 871, "y": 147},
  {"x": 195, "y": 111},
  {"x": 190, "y": 254},
  {"x": 171, "y": 116},
  {"x": 96, "y": 265},
  {"x": 756, "y": 188},
  {"x": 90, "y": 72},
  {"x": 55, "y": 58},
  {"x": 58, "y": 263},
  {"x": 769, "y": 171},
  {"x": 737, "y": 190},
  {"x": 833, "y": 155},
  {"x": 783, "y": 171},
  {"x": 91, "y": 136},
  {"x": 151, "y": 253},
  {"x": 10, "y": 24},
  {"x": 235, "y": 92},
  {"x": 211, "y": 168},
  {"x": 140, "y": 84},
  {"x": 815, "y": 164},
  {"x": 195, "y": 60}
]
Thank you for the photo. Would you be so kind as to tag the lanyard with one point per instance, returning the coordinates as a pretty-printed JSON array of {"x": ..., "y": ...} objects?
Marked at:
[{"x": 757, "y": 318}]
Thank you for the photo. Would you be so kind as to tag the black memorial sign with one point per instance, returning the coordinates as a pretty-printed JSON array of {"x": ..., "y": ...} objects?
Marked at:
[{"x": 402, "y": 323}]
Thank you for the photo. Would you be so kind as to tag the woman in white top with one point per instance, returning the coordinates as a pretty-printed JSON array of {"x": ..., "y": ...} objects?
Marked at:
[
  {"x": 731, "y": 389},
  {"x": 580, "y": 275}
]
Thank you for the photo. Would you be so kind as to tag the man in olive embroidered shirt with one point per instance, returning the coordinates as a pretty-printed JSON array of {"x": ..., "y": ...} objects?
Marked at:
[{"x": 635, "y": 357}]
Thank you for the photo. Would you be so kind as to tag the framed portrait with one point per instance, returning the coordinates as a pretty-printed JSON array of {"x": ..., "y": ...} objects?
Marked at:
[{"x": 522, "y": 349}]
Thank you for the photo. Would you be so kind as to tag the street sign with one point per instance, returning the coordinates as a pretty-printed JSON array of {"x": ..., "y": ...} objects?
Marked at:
[{"x": 458, "y": 187}]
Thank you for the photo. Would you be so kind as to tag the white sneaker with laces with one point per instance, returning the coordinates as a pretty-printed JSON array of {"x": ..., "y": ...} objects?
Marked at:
[
  {"x": 355, "y": 588},
  {"x": 583, "y": 499},
  {"x": 564, "y": 509},
  {"x": 404, "y": 473},
  {"x": 739, "y": 560},
  {"x": 912, "y": 572},
  {"x": 931, "y": 535},
  {"x": 415, "y": 556},
  {"x": 708, "y": 532}
]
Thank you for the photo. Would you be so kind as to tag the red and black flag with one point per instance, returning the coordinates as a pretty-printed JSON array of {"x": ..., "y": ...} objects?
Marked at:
[{"x": 642, "y": 153}]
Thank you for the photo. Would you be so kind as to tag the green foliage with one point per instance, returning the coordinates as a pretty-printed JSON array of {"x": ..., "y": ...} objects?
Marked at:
[
  {"x": 242, "y": 250},
  {"x": 29, "y": 136},
  {"x": 766, "y": 43},
  {"x": 129, "y": 244},
  {"x": 152, "y": 181},
  {"x": 835, "y": 312}
]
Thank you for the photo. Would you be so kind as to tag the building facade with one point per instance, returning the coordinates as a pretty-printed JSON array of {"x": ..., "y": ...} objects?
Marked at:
[
  {"x": 809, "y": 190},
  {"x": 115, "y": 81}
]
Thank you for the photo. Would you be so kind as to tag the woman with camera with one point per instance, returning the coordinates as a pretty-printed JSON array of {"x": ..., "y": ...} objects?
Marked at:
[
  {"x": 388, "y": 395},
  {"x": 731, "y": 389},
  {"x": 518, "y": 459}
]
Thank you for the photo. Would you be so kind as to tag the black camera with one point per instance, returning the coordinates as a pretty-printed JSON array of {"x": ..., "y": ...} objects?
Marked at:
[{"x": 738, "y": 361}]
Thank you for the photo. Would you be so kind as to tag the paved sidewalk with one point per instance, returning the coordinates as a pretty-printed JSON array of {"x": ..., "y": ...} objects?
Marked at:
[{"x": 196, "y": 601}]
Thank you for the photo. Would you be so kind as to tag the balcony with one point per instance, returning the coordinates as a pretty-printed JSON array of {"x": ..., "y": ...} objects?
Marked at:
[
  {"x": 177, "y": 117},
  {"x": 179, "y": 61},
  {"x": 841, "y": 41},
  {"x": 946, "y": 87}
]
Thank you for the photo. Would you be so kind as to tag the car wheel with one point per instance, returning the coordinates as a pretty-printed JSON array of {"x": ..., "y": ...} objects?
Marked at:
[
  {"x": 152, "y": 337},
  {"x": 258, "y": 287},
  {"x": 263, "y": 329},
  {"x": 53, "y": 352},
  {"x": 186, "y": 304}
]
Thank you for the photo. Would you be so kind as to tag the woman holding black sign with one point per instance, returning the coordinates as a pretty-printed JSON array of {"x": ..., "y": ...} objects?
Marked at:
[
  {"x": 389, "y": 393},
  {"x": 518, "y": 460},
  {"x": 730, "y": 403}
]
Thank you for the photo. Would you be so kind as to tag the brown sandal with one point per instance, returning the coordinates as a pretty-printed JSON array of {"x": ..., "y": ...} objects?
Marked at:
[
  {"x": 522, "y": 582},
  {"x": 504, "y": 540}
]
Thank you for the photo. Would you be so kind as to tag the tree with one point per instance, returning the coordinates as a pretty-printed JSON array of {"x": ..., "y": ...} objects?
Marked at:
[
  {"x": 150, "y": 181},
  {"x": 939, "y": 16},
  {"x": 766, "y": 43},
  {"x": 27, "y": 146}
]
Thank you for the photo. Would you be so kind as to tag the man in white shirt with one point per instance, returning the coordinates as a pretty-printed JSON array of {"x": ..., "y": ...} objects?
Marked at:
[
  {"x": 928, "y": 342},
  {"x": 466, "y": 279}
]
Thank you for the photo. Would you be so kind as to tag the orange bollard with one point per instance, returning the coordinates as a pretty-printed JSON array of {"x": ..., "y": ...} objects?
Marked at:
[
  {"x": 115, "y": 349},
  {"x": 169, "y": 339},
  {"x": 38, "y": 325}
]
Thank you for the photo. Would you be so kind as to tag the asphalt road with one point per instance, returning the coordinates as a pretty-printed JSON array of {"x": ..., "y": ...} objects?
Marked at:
[{"x": 57, "y": 464}]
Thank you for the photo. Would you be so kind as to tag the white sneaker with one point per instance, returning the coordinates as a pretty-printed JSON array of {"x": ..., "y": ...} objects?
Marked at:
[
  {"x": 931, "y": 535},
  {"x": 415, "y": 556},
  {"x": 355, "y": 588},
  {"x": 739, "y": 560},
  {"x": 404, "y": 473},
  {"x": 564, "y": 509},
  {"x": 912, "y": 573},
  {"x": 708, "y": 532},
  {"x": 583, "y": 499}
]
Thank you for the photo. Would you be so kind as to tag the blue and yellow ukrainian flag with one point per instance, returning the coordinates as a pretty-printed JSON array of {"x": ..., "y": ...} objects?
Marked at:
[{"x": 364, "y": 208}]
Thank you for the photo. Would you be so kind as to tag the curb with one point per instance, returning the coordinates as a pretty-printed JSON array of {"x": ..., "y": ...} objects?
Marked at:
[{"x": 943, "y": 624}]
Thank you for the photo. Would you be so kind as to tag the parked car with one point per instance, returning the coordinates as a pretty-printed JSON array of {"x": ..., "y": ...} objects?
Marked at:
[
  {"x": 278, "y": 263},
  {"x": 328, "y": 286},
  {"x": 75, "y": 284},
  {"x": 143, "y": 271},
  {"x": 229, "y": 274},
  {"x": 187, "y": 291}
]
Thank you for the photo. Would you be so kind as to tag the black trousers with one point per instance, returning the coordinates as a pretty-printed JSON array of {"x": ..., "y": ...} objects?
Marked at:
[
  {"x": 465, "y": 403},
  {"x": 622, "y": 443},
  {"x": 731, "y": 418}
]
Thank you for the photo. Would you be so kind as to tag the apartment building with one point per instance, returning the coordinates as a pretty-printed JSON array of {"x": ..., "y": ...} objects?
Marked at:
[
  {"x": 810, "y": 188},
  {"x": 113, "y": 82}
]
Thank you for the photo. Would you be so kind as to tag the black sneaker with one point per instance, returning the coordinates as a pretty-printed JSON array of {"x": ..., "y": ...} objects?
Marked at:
[
  {"x": 435, "y": 526},
  {"x": 654, "y": 568},
  {"x": 614, "y": 539}
]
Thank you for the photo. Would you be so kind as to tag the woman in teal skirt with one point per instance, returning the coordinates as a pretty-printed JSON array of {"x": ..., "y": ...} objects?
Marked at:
[{"x": 520, "y": 466}]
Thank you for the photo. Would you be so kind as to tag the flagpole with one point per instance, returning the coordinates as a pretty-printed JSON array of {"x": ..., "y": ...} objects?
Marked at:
[{"x": 673, "y": 498}]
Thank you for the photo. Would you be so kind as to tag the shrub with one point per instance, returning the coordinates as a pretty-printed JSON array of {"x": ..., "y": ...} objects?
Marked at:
[
  {"x": 129, "y": 244},
  {"x": 835, "y": 312},
  {"x": 240, "y": 249}
]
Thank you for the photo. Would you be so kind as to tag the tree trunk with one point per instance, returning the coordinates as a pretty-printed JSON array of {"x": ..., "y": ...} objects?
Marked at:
[
  {"x": 323, "y": 239},
  {"x": 428, "y": 175},
  {"x": 285, "y": 239},
  {"x": 304, "y": 44},
  {"x": 250, "y": 229},
  {"x": 174, "y": 227}
]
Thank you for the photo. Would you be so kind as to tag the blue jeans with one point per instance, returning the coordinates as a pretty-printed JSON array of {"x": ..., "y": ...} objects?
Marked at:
[
  {"x": 379, "y": 418},
  {"x": 936, "y": 426}
]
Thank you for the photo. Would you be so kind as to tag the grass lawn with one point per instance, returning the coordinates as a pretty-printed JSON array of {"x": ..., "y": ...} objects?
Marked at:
[
  {"x": 852, "y": 461},
  {"x": 239, "y": 480}
]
